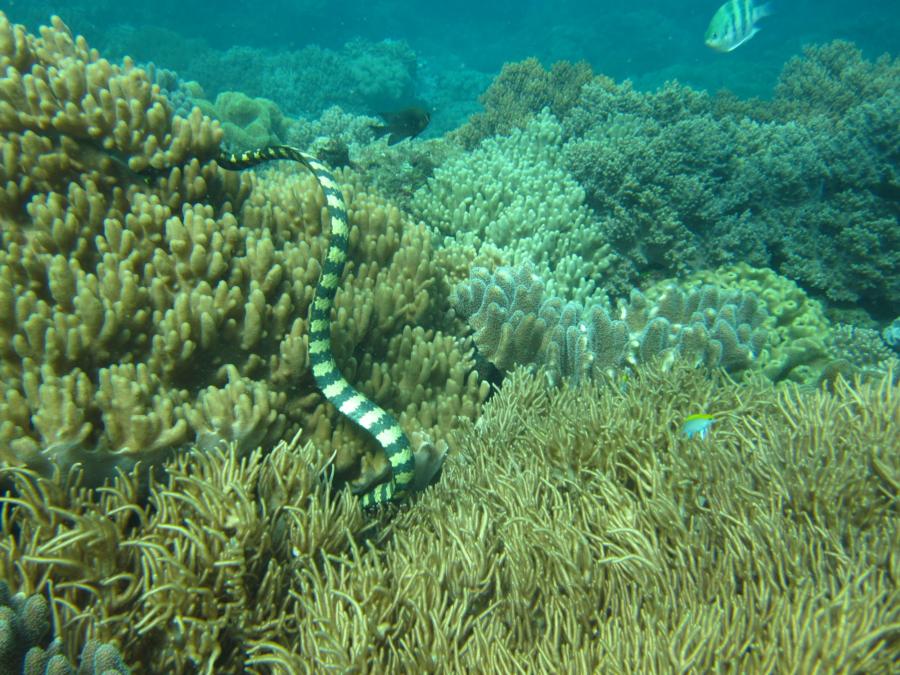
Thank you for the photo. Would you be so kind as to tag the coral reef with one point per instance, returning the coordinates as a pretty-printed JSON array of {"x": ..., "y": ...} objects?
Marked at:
[
  {"x": 152, "y": 302},
  {"x": 565, "y": 519},
  {"x": 514, "y": 324},
  {"x": 144, "y": 308},
  {"x": 680, "y": 180}
]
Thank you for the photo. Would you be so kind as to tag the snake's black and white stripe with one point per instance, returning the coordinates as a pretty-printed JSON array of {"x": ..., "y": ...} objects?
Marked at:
[{"x": 351, "y": 403}]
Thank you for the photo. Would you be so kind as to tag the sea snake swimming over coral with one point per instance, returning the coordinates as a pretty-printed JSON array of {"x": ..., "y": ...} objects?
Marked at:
[{"x": 340, "y": 393}]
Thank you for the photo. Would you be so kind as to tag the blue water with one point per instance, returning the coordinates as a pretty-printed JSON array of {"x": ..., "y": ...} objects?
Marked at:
[{"x": 648, "y": 42}]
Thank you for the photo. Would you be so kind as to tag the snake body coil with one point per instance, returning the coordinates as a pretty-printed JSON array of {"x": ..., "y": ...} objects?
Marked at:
[{"x": 340, "y": 393}]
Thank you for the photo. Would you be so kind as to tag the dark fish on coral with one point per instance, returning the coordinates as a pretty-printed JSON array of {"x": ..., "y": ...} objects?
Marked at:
[
  {"x": 406, "y": 123},
  {"x": 335, "y": 153}
]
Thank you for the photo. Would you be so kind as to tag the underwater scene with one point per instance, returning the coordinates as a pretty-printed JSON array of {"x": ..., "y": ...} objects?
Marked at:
[{"x": 395, "y": 337}]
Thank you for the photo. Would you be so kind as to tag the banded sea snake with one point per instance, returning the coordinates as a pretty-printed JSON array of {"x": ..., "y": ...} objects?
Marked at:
[{"x": 371, "y": 418}]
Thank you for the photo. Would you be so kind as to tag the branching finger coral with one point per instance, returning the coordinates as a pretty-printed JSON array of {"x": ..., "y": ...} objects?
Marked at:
[{"x": 150, "y": 299}]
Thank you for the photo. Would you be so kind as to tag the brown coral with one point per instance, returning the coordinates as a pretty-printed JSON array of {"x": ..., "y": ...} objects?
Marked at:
[{"x": 149, "y": 299}]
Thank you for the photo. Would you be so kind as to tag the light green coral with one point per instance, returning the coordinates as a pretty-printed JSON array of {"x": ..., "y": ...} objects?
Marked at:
[
  {"x": 247, "y": 122},
  {"x": 513, "y": 198}
]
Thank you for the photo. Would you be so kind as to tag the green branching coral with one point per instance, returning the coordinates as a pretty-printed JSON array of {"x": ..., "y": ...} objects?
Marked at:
[
  {"x": 514, "y": 199},
  {"x": 807, "y": 184},
  {"x": 519, "y": 93}
]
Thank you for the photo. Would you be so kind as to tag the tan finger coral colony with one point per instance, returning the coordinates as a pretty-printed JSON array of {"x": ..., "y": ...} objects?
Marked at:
[
  {"x": 143, "y": 314},
  {"x": 152, "y": 302}
]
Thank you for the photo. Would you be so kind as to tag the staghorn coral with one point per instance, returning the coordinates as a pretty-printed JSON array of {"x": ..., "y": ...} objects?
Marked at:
[
  {"x": 514, "y": 323},
  {"x": 142, "y": 312},
  {"x": 567, "y": 518}
]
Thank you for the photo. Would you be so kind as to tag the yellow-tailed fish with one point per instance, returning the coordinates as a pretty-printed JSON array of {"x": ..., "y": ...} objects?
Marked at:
[
  {"x": 697, "y": 425},
  {"x": 734, "y": 23}
]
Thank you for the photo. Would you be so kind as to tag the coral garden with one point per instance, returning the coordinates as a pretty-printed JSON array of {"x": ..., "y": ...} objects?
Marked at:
[{"x": 550, "y": 290}]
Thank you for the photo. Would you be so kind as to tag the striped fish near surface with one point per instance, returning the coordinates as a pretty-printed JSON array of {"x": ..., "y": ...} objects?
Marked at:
[{"x": 734, "y": 23}]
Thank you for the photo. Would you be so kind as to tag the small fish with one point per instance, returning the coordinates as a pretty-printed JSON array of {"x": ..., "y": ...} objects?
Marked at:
[
  {"x": 406, "y": 123},
  {"x": 697, "y": 425},
  {"x": 734, "y": 23}
]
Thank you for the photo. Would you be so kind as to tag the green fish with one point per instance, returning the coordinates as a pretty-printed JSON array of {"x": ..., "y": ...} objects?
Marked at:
[
  {"x": 734, "y": 23},
  {"x": 697, "y": 425}
]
